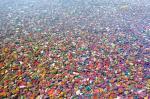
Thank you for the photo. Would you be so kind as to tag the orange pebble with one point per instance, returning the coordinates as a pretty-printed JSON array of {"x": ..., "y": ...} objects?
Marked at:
[
  {"x": 3, "y": 94},
  {"x": 1, "y": 64},
  {"x": 101, "y": 90},
  {"x": 120, "y": 90},
  {"x": 112, "y": 96},
  {"x": 32, "y": 96},
  {"x": 112, "y": 80},
  {"x": 6, "y": 50},
  {"x": 51, "y": 92},
  {"x": 95, "y": 96}
]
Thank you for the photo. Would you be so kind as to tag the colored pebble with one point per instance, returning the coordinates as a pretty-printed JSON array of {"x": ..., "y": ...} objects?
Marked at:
[
  {"x": 88, "y": 88},
  {"x": 61, "y": 49}
]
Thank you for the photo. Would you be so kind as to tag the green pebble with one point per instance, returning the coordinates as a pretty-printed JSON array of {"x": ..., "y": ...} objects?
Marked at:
[
  {"x": 113, "y": 45},
  {"x": 88, "y": 88},
  {"x": 51, "y": 85},
  {"x": 75, "y": 97},
  {"x": 22, "y": 97},
  {"x": 78, "y": 76},
  {"x": 17, "y": 42},
  {"x": 54, "y": 71}
]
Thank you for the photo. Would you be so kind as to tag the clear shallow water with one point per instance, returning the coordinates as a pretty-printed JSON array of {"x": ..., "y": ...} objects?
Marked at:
[{"x": 76, "y": 48}]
